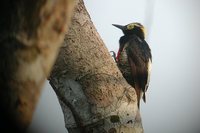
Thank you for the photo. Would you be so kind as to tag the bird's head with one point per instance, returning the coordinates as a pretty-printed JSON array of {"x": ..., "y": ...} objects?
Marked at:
[{"x": 132, "y": 29}]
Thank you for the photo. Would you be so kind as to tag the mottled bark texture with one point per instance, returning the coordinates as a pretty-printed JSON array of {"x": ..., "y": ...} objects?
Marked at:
[
  {"x": 93, "y": 94},
  {"x": 31, "y": 32}
]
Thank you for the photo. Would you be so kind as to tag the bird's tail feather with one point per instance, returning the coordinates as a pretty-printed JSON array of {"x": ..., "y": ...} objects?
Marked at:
[
  {"x": 144, "y": 97},
  {"x": 138, "y": 92}
]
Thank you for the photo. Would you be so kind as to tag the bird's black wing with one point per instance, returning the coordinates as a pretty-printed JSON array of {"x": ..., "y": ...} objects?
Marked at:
[{"x": 139, "y": 56}]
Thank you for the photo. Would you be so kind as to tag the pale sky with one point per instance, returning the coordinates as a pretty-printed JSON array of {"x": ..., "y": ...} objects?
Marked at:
[{"x": 173, "y": 35}]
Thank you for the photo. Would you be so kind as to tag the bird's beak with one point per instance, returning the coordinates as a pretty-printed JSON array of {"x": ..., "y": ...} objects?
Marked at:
[{"x": 119, "y": 26}]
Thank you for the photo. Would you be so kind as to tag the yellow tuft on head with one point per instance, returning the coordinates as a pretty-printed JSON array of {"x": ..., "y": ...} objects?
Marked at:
[
  {"x": 130, "y": 26},
  {"x": 144, "y": 31},
  {"x": 136, "y": 25}
]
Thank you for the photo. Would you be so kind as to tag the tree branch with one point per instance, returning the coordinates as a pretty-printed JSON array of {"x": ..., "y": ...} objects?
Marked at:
[{"x": 93, "y": 94}]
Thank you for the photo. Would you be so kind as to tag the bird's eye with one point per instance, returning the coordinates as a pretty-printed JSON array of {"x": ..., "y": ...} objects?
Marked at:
[{"x": 130, "y": 26}]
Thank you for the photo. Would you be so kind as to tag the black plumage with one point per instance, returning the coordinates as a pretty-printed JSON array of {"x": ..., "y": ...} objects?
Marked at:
[{"x": 134, "y": 58}]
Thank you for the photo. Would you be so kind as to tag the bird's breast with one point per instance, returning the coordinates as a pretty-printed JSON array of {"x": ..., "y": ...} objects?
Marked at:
[{"x": 123, "y": 62}]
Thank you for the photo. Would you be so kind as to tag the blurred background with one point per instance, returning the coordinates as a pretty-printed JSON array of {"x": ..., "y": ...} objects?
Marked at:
[{"x": 174, "y": 37}]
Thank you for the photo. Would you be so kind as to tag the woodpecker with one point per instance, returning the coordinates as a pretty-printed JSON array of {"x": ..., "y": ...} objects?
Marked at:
[{"x": 134, "y": 58}]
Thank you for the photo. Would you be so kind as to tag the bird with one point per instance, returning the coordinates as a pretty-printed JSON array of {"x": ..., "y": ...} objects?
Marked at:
[{"x": 134, "y": 58}]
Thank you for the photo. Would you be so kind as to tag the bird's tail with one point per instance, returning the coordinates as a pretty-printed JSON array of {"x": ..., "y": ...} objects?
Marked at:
[
  {"x": 144, "y": 97},
  {"x": 138, "y": 93}
]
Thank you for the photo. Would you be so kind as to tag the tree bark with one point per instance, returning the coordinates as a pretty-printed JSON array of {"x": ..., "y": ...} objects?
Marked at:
[
  {"x": 30, "y": 36},
  {"x": 92, "y": 92}
]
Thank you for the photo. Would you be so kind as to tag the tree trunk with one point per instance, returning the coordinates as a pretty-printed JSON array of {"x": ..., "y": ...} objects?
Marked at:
[
  {"x": 30, "y": 36},
  {"x": 92, "y": 92}
]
